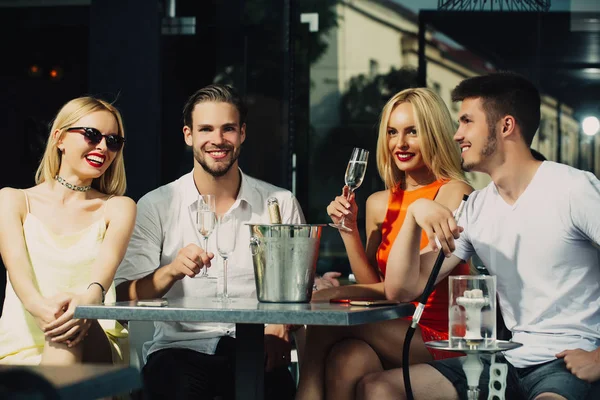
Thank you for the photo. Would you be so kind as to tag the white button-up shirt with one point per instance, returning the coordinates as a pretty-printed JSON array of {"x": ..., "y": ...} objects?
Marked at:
[{"x": 165, "y": 223}]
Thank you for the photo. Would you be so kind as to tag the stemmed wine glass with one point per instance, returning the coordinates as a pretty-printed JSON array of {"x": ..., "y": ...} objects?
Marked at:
[
  {"x": 355, "y": 173},
  {"x": 226, "y": 233},
  {"x": 206, "y": 222}
]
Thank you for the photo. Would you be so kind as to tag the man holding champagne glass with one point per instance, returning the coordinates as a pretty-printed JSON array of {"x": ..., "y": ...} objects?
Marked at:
[{"x": 196, "y": 360}]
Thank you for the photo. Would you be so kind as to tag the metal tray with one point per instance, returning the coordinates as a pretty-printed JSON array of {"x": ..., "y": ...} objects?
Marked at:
[{"x": 499, "y": 345}]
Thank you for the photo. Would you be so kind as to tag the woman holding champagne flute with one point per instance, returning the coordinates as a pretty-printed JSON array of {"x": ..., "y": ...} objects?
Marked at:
[
  {"x": 416, "y": 158},
  {"x": 355, "y": 174}
]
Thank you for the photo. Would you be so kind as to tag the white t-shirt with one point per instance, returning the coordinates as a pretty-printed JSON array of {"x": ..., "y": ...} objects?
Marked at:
[
  {"x": 165, "y": 224},
  {"x": 542, "y": 251}
]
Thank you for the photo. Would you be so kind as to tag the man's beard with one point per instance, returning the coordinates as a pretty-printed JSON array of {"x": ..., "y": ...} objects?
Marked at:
[
  {"x": 221, "y": 168},
  {"x": 488, "y": 149}
]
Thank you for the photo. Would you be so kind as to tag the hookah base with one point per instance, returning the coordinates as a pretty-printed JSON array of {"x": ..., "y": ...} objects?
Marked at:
[
  {"x": 474, "y": 347},
  {"x": 473, "y": 394},
  {"x": 473, "y": 366}
]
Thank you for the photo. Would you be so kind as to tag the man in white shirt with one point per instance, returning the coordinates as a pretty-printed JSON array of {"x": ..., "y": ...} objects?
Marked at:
[
  {"x": 196, "y": 360},
  {"x": 535, "y": 227}
]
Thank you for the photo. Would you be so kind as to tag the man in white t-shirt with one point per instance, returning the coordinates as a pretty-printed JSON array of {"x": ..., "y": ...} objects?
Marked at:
[
  {"x": 196, "y": 360},
  {"x": 535, "y": 227}
]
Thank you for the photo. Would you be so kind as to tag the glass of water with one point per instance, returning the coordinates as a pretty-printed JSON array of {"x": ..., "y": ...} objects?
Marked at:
[
  {"x": 226, "y": 234},
  {"x": 355, "y": 173},
  {"x": 205, "y": 222}
]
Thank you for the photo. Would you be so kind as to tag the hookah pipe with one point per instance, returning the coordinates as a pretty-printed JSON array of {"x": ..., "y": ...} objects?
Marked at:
[
  {"x": 473, "y": 301},
  {"x": 419, "y": 311}
]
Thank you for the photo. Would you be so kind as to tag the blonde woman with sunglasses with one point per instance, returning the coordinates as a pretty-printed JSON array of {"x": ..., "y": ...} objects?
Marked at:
[{"x": 63, "y": 239}]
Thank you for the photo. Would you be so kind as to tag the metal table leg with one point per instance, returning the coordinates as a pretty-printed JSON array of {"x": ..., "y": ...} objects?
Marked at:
[{"x": 249, "y": 363}]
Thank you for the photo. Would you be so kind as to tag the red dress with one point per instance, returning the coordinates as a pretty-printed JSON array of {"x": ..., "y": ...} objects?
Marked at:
[{"x": 434, "y": 321}]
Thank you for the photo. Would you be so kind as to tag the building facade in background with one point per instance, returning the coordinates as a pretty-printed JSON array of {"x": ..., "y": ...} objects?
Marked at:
[
  {"x": 375, "y": 37},
  {"x": 372, "y": 54}
]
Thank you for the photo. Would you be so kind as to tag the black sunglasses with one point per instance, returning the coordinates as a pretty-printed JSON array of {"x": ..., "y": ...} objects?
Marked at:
[{"x": 114, "y": 142}]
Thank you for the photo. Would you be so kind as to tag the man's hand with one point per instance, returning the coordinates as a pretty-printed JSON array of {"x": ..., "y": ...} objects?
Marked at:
[
  {"x": 189, "y": 262},
  {"x": 277, "y": 347},
  {"x": 329, "y": 279},
  {"x": 583, "y": 364},
  {"x": 436, "y": 221}
]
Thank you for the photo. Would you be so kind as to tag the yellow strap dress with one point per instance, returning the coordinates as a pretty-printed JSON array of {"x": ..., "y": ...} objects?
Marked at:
[{"x": 61, "y": 263}]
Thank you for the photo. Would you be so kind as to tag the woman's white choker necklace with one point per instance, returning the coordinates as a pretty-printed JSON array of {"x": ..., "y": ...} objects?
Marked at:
[{"x": 71, "y": 186}]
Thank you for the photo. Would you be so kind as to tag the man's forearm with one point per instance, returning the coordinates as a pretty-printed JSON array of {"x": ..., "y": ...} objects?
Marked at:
[{"x": 152, "y": 286}]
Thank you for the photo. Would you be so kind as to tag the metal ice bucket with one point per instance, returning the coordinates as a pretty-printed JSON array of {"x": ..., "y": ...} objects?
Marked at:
[{"x": 285, "y": 261}]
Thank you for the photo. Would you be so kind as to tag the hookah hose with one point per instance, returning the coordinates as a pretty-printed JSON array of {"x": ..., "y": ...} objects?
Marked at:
[{"x": 419, "y": 311}]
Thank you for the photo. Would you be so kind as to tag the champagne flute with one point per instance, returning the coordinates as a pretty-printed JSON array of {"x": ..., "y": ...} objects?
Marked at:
[
  {"x": 355, "y": 173},
  {"x": 226, "y": 234},
  {"x": 206, "y": 222}
]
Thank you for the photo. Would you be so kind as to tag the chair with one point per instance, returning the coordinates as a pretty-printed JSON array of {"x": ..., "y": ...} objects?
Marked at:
[{"x": 140, "y": 332}]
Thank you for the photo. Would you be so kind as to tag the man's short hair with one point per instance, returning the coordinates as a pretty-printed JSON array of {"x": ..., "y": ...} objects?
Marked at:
[
  {"x": 504, "y": 93},
  {"x": 537, "y": 155},
  {"x": 215, "y": 93}
]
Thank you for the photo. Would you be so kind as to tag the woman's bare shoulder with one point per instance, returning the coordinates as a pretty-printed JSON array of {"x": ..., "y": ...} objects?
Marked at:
[
  {"x": 12, "y": 199},
  {"x": 451, "y": 193},
  {"x": 378, "y": 198},
  {"x": 455, "y": 187},
  {"x": 9, "y": 192},
  {"x": 120, "y": 207},
  {"x": 120, "y": 203},
  {"x": 123, "y": 200},
  {"x": 377, "y": 206},
  {"x": 42, "y": 191}
]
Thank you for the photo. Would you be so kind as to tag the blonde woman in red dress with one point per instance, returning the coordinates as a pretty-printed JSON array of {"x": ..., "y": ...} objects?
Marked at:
[{"x": 416, "y": 158}]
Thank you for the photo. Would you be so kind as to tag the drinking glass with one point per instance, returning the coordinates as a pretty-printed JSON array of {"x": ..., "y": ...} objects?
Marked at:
[
  {"x": 355, "y": 173},
  {"x": 205, "y": 222},
  {"x": 472, "y": 311},
  {"x": 226, "y": 233}
]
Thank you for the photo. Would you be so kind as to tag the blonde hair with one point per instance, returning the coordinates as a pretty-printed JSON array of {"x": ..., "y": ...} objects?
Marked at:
[
  {"x": 112, "y": 181},
  {"x": 435, "y": 130}
]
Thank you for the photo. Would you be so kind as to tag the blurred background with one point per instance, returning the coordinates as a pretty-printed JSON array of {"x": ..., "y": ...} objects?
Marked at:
[{"x": 316, "y": 74}]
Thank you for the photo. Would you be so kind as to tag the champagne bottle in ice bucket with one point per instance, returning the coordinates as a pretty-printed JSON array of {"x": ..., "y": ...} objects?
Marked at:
[
  {"x": 274, "y": 213},
  {"x": 274, "y": 218}
]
